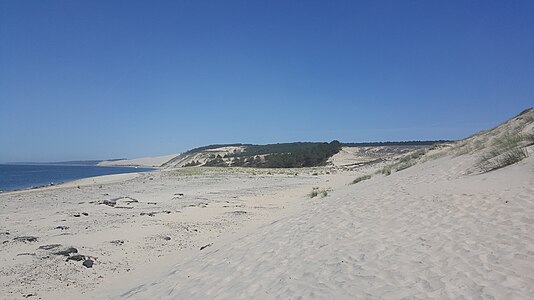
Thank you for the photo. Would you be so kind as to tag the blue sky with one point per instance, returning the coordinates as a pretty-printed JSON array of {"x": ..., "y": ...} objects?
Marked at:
[{"x": 105, "y": 79}]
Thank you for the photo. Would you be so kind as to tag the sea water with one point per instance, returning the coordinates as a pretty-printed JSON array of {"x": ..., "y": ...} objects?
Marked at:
[{"x": 15, "y": 177}]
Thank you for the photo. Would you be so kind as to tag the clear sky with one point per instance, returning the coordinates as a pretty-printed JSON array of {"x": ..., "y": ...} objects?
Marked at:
[{"x": 107, "y": 79}]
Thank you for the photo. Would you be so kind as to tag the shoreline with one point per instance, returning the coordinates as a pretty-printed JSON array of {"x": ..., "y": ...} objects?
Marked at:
[{"x": 66, "y": 182}]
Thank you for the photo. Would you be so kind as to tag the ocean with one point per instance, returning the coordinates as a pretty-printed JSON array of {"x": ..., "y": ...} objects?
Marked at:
[{"x": 16, "y": 177}]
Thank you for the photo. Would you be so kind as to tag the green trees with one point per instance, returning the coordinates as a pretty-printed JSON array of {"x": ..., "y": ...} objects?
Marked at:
[
  {"x": 286, "y": 155},
  {"x": 290, "y": 155}
]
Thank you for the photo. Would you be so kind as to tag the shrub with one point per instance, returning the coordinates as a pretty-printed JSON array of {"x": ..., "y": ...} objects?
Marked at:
[
  {"x": 361, "y": 178},
  {"x": 404, "y": 165},
  {"x": 319, "y": 192},
  {"x": 506, "y": 150},
  {"x": 386, "y": 170}
]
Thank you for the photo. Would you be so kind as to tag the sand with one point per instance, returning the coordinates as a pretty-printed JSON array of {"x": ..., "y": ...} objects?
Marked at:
[
  {"x": 157, "y": 217},
  {"x": 152, "y": 161},
  {"x": 433, "y": 231},
  {"x": 428, "y": 232}
]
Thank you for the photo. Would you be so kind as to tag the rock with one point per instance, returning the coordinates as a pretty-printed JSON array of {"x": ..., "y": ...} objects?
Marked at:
[
  {"x": 153, "y": 203},
  {"x": 150, "y": 214},
  {"x": 167, "y": 238},
  {"x": 62, "y": 227},
  {"x": 238, "y": 212},
  {"x": 76, "y": 215},
  {"x": 77, "y": 257},
  {"x": 67, "y": 251},
  {"x": 88, "y": 263},
  {"x": 85, "y": 214},
  {"x": 130, "y": 200},
  {"x": 117, "y": 242},
  {"x": 29, "y": 295},
  {"x": 111, "y": 202},
  {"x": 25, "y": 239},
  {"x": 205, "y": 246},
  {"x": 49, "y": 247}
]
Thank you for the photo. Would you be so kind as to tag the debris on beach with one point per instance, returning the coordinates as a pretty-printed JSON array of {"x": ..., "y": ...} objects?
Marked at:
[
  {"x": 237, "y": 212},
  {"x": 67, "y": 251},
  {"x": 76, "y": 257},
  {"x": 153, "y": 213},
  {"x": 25, "y": 239},
  {"x": 205, "y": 246},
  {"x": 113, "y": 202},
  {"x": 29, "y": 295},
  {"x": 88, "y": 263},
  {"x": 49, "y": 247}
]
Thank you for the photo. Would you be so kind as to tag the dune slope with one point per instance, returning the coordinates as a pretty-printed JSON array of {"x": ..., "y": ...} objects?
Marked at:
[{"x": 426, "y": 232}]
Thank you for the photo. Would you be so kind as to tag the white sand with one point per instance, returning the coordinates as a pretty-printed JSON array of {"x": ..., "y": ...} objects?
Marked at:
[
  {"x": 425, "y": 232},
  {"x": 160, "y": 227},
  {"x": 155, "y": 161}
]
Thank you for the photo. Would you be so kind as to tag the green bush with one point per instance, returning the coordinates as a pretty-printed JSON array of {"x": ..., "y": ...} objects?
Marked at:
[
  {"x": 361, "y": 178},
  {"x": 319, "y": 192}
]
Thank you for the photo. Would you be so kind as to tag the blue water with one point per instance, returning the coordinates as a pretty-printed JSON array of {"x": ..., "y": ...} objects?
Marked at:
[{"x": 15, "y": 177}]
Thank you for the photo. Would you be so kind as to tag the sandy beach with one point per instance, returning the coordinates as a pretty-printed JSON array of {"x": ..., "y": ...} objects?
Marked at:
[
  {"x": 129, "y": 222},
  {"x": 446, "y": 222},
  {"x": 430, "y": 231}
]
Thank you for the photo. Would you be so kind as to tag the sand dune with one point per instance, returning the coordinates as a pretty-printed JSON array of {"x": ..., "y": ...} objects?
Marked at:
[
  {"x": 426, "y": 232},
  {"x": 155, "y": 161}
]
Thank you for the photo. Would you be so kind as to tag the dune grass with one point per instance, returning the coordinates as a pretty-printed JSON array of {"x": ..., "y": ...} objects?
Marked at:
[
  {"x": 317, "y": 192},
  {"x": 505, "y": 150},
  {"x": 361, "y": 178},
  {"x": 404, "y": 163}
]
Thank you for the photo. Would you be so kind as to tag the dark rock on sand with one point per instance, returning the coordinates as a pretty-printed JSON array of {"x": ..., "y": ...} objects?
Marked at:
[
  {"x": 62, "y": 227},
  {"x": 77, "y": 257},
  {"x": 25, "y": 239},
  {"x": 150, "y": 214},
  {"x": 49, "y": 247},
  {"x": 88, "y": 263},
  {"x": 205, "y": 246},
  {"x": 117, "y": 242},
  {"x": 67, "y": 251},
  {"x": 85, "y": 214},
  {"x": 238, "y": 212},
  {"x": 167, "y": 238},
  {"x": 111, "y": 202}
]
